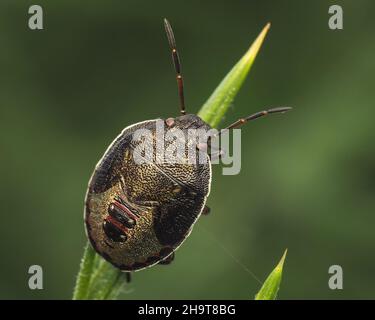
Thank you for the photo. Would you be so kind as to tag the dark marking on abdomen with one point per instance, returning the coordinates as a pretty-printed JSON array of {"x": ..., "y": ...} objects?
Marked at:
[{"x": 113, "y": 231}]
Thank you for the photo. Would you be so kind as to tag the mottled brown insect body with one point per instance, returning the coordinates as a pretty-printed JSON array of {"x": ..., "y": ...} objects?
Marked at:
[{"x": 138, "y": 214}]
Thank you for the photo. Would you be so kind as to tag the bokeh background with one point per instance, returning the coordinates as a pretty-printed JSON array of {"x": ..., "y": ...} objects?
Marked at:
[{"x": 308, "y": 178}]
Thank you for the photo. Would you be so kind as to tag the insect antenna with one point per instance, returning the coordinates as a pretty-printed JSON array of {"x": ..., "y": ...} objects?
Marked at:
[
  {"x": 177, "y": 65},
  {"x": 257, "y": 115},
  {"x": 254, "y": 116}
]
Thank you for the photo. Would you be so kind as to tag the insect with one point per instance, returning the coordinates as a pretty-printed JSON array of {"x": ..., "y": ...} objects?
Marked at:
[{"x": 137, "y": 215}]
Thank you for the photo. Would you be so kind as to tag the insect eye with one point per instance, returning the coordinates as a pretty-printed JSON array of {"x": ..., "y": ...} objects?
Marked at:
[{"x": 170, "y": 122}]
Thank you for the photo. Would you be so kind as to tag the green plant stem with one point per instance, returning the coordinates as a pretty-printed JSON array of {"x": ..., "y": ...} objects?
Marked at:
[
  {"x": 85, "y": 272},
  {"x": 97, "y": 279}
]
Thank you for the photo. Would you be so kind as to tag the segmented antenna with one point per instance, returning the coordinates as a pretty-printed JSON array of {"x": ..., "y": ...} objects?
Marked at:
[{"x": 177, "y": 65}]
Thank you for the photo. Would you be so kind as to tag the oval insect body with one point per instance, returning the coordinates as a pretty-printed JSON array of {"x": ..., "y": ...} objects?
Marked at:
[{"x": 138, "y": 214}]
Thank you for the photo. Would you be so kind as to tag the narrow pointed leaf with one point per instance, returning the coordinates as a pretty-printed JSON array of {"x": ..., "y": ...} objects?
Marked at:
[
  {"x": 271, "y": 286},
  {"x": 217, "y": 105},
  {"x": 97, "y": 279}
]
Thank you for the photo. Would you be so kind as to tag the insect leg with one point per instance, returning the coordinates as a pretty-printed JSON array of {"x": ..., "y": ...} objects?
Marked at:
[
  {"x": 128, "y": 277},
  {"x": 167, "y": 260},
  {"x": 206, "y": 210},
  {"x": 216, "y": 155}
]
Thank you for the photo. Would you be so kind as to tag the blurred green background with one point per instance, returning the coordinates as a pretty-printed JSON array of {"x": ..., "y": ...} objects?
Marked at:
[{"x": 308, "y": 178}]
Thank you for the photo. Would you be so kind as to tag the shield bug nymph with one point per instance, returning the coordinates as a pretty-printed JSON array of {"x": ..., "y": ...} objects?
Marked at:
[{"x": 137, "y": 215}]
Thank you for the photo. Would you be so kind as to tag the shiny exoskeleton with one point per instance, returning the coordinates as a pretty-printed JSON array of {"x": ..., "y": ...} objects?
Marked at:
[{"x": 137, "y": 215}]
